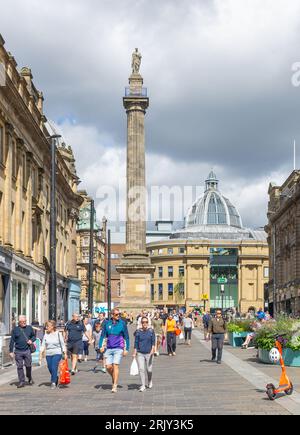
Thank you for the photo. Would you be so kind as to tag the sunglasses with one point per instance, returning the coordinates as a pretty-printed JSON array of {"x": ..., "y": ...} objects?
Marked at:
[
  {"x": 117, "y": 314},
  {"x": 144, "y": 322}
]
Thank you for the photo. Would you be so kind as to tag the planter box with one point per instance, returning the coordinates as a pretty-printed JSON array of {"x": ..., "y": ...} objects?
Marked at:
[
  {"x": 291, "y": 358},
  {"x": 236, "y": 339}
]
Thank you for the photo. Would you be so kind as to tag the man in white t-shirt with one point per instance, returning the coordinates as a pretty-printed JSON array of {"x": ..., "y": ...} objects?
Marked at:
[{"x": 86, "y": 338}]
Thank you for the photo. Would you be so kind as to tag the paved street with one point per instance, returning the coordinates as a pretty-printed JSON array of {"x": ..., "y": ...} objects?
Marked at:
[{"x": 186, "y": 384}]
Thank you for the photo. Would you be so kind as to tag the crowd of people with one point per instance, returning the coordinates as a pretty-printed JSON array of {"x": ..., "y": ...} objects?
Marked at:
[{"x": 156, "y": 332}]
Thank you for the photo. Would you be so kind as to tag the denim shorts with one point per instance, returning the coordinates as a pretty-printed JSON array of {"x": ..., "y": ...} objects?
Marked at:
[{"x": 113, "y": 356}]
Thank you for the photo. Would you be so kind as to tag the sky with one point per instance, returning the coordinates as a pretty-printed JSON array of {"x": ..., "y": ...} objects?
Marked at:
[{"x": 219, "y": 75}]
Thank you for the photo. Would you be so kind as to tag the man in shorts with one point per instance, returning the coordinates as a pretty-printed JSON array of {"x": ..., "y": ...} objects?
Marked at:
[
  {"x": 116, "y": 333},
  {"x": 74, "y": 331}
]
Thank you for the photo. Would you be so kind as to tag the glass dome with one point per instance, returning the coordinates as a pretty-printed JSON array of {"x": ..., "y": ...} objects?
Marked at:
[{"x": 213, "y": 208}]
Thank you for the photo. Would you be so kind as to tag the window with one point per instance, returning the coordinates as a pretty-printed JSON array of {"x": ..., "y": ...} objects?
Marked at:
[
  {"x": 181, "y": 250},
  {"x": 160, "y": 251},
  {"x": 152, "y": 252},
  {"x": 152, "y": 292},
  {"x": 170, "y": 291},
  {"x": 160, "y": 272},
  {"x": 115, "y": 256},
  {"x": 266, "y": 272},
  {"x": 160, "y": 292},
  {"x": 181, "y": 289},
  {"x": 170, "y": 251},
  {"x": 170, "y": 271},
  {"x": 35, "y": 303},
  {"x": 181, "y": 270}
]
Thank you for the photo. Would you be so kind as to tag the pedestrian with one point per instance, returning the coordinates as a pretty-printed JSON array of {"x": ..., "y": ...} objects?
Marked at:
[
  {"x": 144, "y": 346},
  {"x": 99, "y": 355},
  {"x": 116, "y": 333},
  {"x": 157, "y": 324},
  {"x": 74, "y": 331},
  {"x": 143, "y": 314},
  {"x": 188, "y": 325},
  {"x": 206, "y": 319},
  {"x": 164, "y": 315},
  {"x": 53, "y": 346},
  {"x": 260, "y": 315},
  {"x": 87, "y": 338},
  {"x": 22, "y": 338},
  {"x": 169, "y": 332},
  {"x": 217, "y": 329}
]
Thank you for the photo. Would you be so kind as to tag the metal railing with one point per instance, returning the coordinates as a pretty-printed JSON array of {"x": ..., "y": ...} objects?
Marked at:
[{"x": 135, "y": 93}]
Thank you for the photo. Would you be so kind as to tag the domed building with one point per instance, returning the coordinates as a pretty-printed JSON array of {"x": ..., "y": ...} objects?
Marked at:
[{"x": 213, "y": 261}]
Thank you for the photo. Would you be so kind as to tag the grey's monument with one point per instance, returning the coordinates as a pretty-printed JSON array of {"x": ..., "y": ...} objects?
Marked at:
[{"x": 135, "y": 268}]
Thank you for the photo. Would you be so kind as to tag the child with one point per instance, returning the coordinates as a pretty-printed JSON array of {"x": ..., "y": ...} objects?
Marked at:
[{"x": 99, "y": 355}]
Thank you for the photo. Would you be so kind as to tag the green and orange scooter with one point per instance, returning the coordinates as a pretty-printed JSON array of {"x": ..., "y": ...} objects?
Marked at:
[{"x": 285, "y": 385}]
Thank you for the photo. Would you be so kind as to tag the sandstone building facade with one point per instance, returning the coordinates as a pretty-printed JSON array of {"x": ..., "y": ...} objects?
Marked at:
[
  {"x": 25, "y": 162},
  {"x": 284, "y": 243},
  {"x": 83, "y": 246}
]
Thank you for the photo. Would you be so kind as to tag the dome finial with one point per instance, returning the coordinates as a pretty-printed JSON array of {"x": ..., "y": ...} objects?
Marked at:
[{"x": 212, "y": 181}]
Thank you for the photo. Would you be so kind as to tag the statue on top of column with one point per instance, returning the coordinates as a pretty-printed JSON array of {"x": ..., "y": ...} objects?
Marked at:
[{"x": 136, "y": 61}]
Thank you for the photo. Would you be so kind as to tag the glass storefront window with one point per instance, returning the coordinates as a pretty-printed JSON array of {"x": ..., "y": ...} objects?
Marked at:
[
  {"x": 35, "y": 303},
  {"x": 18, "y": 301},
  {"x": 1, "y": 303}
]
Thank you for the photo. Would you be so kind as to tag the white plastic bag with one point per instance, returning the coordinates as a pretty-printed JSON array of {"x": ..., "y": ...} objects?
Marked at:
[
  {"x": 134, "y": 369},
  {"x": 181, "y": 336}
]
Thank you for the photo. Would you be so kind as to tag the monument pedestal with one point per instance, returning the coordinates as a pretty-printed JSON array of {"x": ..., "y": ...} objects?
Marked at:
[{"x": 135, "y": 276}]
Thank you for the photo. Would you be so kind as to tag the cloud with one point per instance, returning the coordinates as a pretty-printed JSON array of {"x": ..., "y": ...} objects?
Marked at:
[{"x": 218, "y": 74}]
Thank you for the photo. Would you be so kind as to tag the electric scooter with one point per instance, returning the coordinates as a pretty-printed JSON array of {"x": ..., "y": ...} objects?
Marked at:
[{"x": 285, "y": 385}]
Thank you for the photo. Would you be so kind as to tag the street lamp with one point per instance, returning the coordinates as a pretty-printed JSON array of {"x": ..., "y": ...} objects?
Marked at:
[
  {"x": 91, "y": 260},
  {"x": 222, "y": 291},
  {"x": 52, "y": 280}
]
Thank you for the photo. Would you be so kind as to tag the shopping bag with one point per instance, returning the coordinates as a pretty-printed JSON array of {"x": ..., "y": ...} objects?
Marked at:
[
  {"x": 64, "y": 374},
  {"x": 181, "y": 336},
  {"x": 134, "y": 370},
  {"x": 178, "y": 332}
]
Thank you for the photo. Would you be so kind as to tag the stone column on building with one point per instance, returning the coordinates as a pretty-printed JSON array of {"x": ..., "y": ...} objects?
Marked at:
[
  {"x": 8, "y": 187},
  {"x": 135, "y": 268},
  {"x": 28, "y": 217},
  {"x": 19, "y": 196}
]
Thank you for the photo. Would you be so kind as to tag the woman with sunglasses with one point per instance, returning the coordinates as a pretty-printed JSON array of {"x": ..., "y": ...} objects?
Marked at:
[{"x": 144, "y": 347}]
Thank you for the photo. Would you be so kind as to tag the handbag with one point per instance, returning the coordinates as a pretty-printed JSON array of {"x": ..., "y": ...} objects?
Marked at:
[
  {"x": 31, "y": 346},
  {"x": 64, "y": 374}
]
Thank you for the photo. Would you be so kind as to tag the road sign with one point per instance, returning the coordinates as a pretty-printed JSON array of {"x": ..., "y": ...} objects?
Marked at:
[
  {"x": 222, "y": 280},
  {"x": 205, "y": 297}
]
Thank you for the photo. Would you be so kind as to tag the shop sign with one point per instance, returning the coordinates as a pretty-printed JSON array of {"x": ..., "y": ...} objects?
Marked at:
[
  {"x": 222, "y": 280},
  {"x": 22, "y": 270}
]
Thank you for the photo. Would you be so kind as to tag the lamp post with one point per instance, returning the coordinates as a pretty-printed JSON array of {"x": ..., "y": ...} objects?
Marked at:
[
  {"x": 222, "y": 291},
  {"x": 91, "y": 260},
  {"x": 108, "y": 274},
  {"x": 274, "y": 272},
  {"x": 52, "y": 280}
]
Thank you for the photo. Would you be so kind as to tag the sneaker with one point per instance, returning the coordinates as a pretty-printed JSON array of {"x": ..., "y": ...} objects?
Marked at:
[
  {"x": 72, "y": 372},
  {"x": 150, "y": 385},
  {"x": 103, "y": 370},
  {"x": 85, "y": 359},
  {"x": 21, "y": 385},
  {"x": 157, "y": 353},
  {"x": 30, "y": 382},
  {"x": 219, "y": 362},
  {"x": 170, "y": 354},
  {"x": 213, "y": 359},
  {"x": 142, "y": 389},
  {"x": 174, "y": 354},
  {"x": 53, "y": 386},
  {"x": 114, "y": 389}
]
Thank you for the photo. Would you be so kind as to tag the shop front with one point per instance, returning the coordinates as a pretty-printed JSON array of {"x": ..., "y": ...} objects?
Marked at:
[
  {"x": 74, "y": 296},
  {"x": 27, "y": 283},
  {"x": 62, "y": 299},
  {"x": 5, "y": 270}
]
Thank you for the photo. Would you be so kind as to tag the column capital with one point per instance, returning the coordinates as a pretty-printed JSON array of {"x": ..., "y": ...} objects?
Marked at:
[{"x": 9, "y": 128}]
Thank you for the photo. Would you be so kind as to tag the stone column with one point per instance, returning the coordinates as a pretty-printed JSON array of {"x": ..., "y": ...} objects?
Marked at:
[
  {"x": 19, "y": 195},
  {"x": 8, "y": 187},
  {"x": 135, "y": 268},
  {"x": 28, "y": 217}
]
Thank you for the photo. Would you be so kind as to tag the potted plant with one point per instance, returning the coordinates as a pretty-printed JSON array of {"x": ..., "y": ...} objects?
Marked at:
[
  {"x": 238, "y": 331},
  {"x": 288, "y": 331}
]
